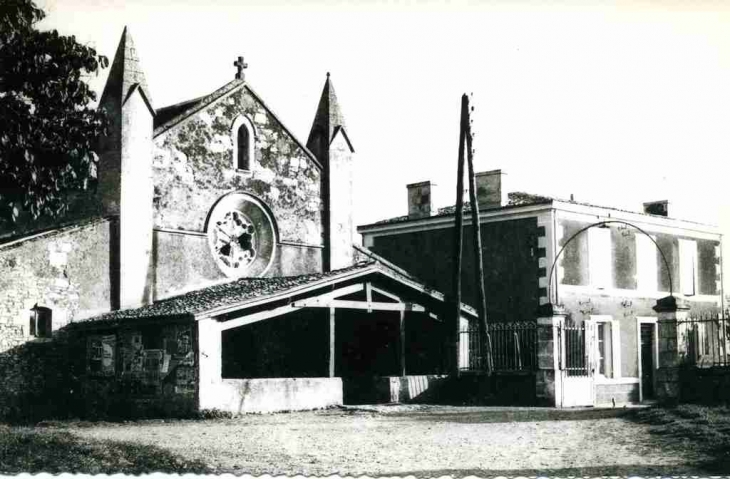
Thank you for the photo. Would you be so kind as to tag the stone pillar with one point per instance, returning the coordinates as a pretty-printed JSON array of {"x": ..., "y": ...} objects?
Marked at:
[
  {"x": 548, "y": 380},
  {"x": 670, "y": 310}
]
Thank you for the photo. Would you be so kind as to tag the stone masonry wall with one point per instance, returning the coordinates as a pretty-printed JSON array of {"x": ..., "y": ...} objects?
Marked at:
[
  {"x": 193, "y": 167},
  {"x": 66, "y": 270},
  {"x": 138, "y": 370}
]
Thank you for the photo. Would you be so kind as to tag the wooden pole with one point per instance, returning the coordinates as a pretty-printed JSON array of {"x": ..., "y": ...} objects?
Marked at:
[
  {"x": 458, "y": 241},
  {"x": 402, "y": 344},
  {"x": 486, "y": 349},
  {"x": 332, "y": 343}
]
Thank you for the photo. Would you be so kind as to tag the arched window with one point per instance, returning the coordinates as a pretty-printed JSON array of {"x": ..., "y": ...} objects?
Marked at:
[
  {"x": 243, "y": 136},
  {"x": 243, "y": 160}
]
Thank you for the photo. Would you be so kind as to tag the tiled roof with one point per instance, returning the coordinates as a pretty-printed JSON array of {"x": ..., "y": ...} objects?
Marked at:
[{"x": 235, "y": 292}]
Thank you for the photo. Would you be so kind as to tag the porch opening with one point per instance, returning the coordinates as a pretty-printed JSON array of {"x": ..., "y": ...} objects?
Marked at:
[{"x": 295, "y": 344}]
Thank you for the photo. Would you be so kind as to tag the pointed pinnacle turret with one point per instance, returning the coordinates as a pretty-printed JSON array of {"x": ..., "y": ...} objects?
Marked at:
[
  {"x": 328, "y": 117},
  {"x": 125, "y": 72}
]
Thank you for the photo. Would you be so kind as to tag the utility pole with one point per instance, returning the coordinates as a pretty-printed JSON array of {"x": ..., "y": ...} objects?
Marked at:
[
  {"x": 484, "y": 339},
  {"x": 465, "y": 142},
  {"x": 458, "y": 242}
]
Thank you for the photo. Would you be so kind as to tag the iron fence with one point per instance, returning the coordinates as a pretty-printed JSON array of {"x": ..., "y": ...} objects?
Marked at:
[
  {"x": 703, "y": 340},
  {"x": 514, "y": 347},
  {"x": 574, "y": 350}
]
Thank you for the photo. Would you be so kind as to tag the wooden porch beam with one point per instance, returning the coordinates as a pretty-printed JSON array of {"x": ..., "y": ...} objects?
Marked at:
[
  {"x": 353, "y": 288},
  {"x": 256, "y": 317},
  {"x": 345, "y": 304},
  {"x": 386, "y": 293}
]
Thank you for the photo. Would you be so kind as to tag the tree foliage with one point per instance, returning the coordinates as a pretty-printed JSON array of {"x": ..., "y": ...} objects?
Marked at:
[{"x": 48, "y": 131}]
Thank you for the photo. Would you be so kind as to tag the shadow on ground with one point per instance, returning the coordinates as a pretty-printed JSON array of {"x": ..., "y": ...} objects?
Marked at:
[
  {"x": 480, "y": 415},
  {"x": 42, "y": 450},
  {"x": 626, "y": 471},
  {"x": 702, "y": 430}
]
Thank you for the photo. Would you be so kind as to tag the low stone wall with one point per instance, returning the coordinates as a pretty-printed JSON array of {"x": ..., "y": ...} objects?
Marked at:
[
  {"x": 622, "y": 393},
  {"x": 37, "y": 382},
  {"x": 276, "y": 394}
]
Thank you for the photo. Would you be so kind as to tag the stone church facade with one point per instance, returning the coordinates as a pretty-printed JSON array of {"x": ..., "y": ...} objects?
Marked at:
[{"x": 158, "y": 290}]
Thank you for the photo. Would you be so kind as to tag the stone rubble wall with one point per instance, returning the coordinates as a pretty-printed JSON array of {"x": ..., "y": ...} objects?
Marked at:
[{"x": 193, "y": 166}]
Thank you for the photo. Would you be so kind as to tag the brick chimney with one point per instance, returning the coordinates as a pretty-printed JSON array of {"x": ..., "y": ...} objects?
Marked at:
[
  {"x": 421, "y": 199},
  {"x": 659, "y": 208},
  {"x": 491, "y": 190}
]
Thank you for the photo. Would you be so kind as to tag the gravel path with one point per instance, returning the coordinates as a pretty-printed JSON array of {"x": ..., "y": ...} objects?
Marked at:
[{"x": 419, "y": 440}]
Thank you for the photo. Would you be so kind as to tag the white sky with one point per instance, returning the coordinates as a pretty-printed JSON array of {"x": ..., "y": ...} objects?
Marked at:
[{"x": 615, "y": 103}]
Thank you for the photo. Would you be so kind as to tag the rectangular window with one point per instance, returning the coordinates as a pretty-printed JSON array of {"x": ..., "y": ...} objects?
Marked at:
[
  {"x": 603, "y": 333},
  {"x": 606, "y": 347},
  {"x": 574, "y": 258},
  {"x": 599, "y": 256},
  {"x": 688, "y": 267},
  {"x": 646, "y": 263}
]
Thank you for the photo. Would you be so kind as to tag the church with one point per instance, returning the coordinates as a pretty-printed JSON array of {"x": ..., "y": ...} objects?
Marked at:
[{"x": 212, "y": 268}]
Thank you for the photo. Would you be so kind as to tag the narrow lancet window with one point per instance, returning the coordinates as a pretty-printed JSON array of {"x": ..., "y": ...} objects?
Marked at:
[{"x": 244, "y": 160}]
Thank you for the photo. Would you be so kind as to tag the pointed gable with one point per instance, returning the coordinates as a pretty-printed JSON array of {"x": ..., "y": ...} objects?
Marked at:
[
  {"x": 328, "y": 120},
  {"x": 125, "y": 73}
]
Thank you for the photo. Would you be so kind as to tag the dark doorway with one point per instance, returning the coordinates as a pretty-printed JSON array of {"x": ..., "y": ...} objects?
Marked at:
[{"x": 647, "y": 360}]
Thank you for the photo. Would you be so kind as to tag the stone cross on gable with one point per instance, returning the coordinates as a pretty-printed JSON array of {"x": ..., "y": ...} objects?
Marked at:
[{"x": 240, "y": 65}]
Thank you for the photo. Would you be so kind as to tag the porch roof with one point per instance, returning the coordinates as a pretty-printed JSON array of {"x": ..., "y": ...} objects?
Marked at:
[{"x": 249, "y": 292}]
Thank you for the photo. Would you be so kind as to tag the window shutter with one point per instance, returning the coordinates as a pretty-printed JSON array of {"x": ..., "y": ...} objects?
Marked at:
[
  {"x": 687, "y": 266},
  {"x": 599, "y": 254},
  {"x": 646, "y": 268}
]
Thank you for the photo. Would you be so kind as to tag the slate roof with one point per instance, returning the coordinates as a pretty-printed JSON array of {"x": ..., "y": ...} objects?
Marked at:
[
  {"x": 167, "y": 113},
  {"x": 521, "y": 199},
  {"x": 240, "y": 292},
  {"x": 516, "y": 200},
  {"x": 169, "y": 116}
]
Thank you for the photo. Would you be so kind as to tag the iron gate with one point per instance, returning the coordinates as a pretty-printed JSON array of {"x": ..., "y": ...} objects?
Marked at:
[{"x": 576, "y": 363}]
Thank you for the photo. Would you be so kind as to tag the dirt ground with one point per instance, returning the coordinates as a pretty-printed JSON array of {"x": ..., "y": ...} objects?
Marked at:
[{"x": 425, "y": 441}]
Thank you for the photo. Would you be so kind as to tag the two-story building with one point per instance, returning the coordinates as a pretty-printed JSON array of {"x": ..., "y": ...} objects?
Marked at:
[{"x": 605, "y": 266}]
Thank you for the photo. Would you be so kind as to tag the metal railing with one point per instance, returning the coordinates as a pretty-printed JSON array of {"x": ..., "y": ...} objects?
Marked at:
[
  {"x": 514, "y": 347},
  {"x": 703, "y": 340},
  {"x": 574, "y": 350}
]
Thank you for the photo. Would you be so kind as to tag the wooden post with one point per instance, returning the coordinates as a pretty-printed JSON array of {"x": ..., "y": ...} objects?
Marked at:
[
  {"x": 478, "y": 259},
  {"x": 402, "y": 343},
  {"x": 332, "y": 344},
  {"x": 458, "y": 241}
]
